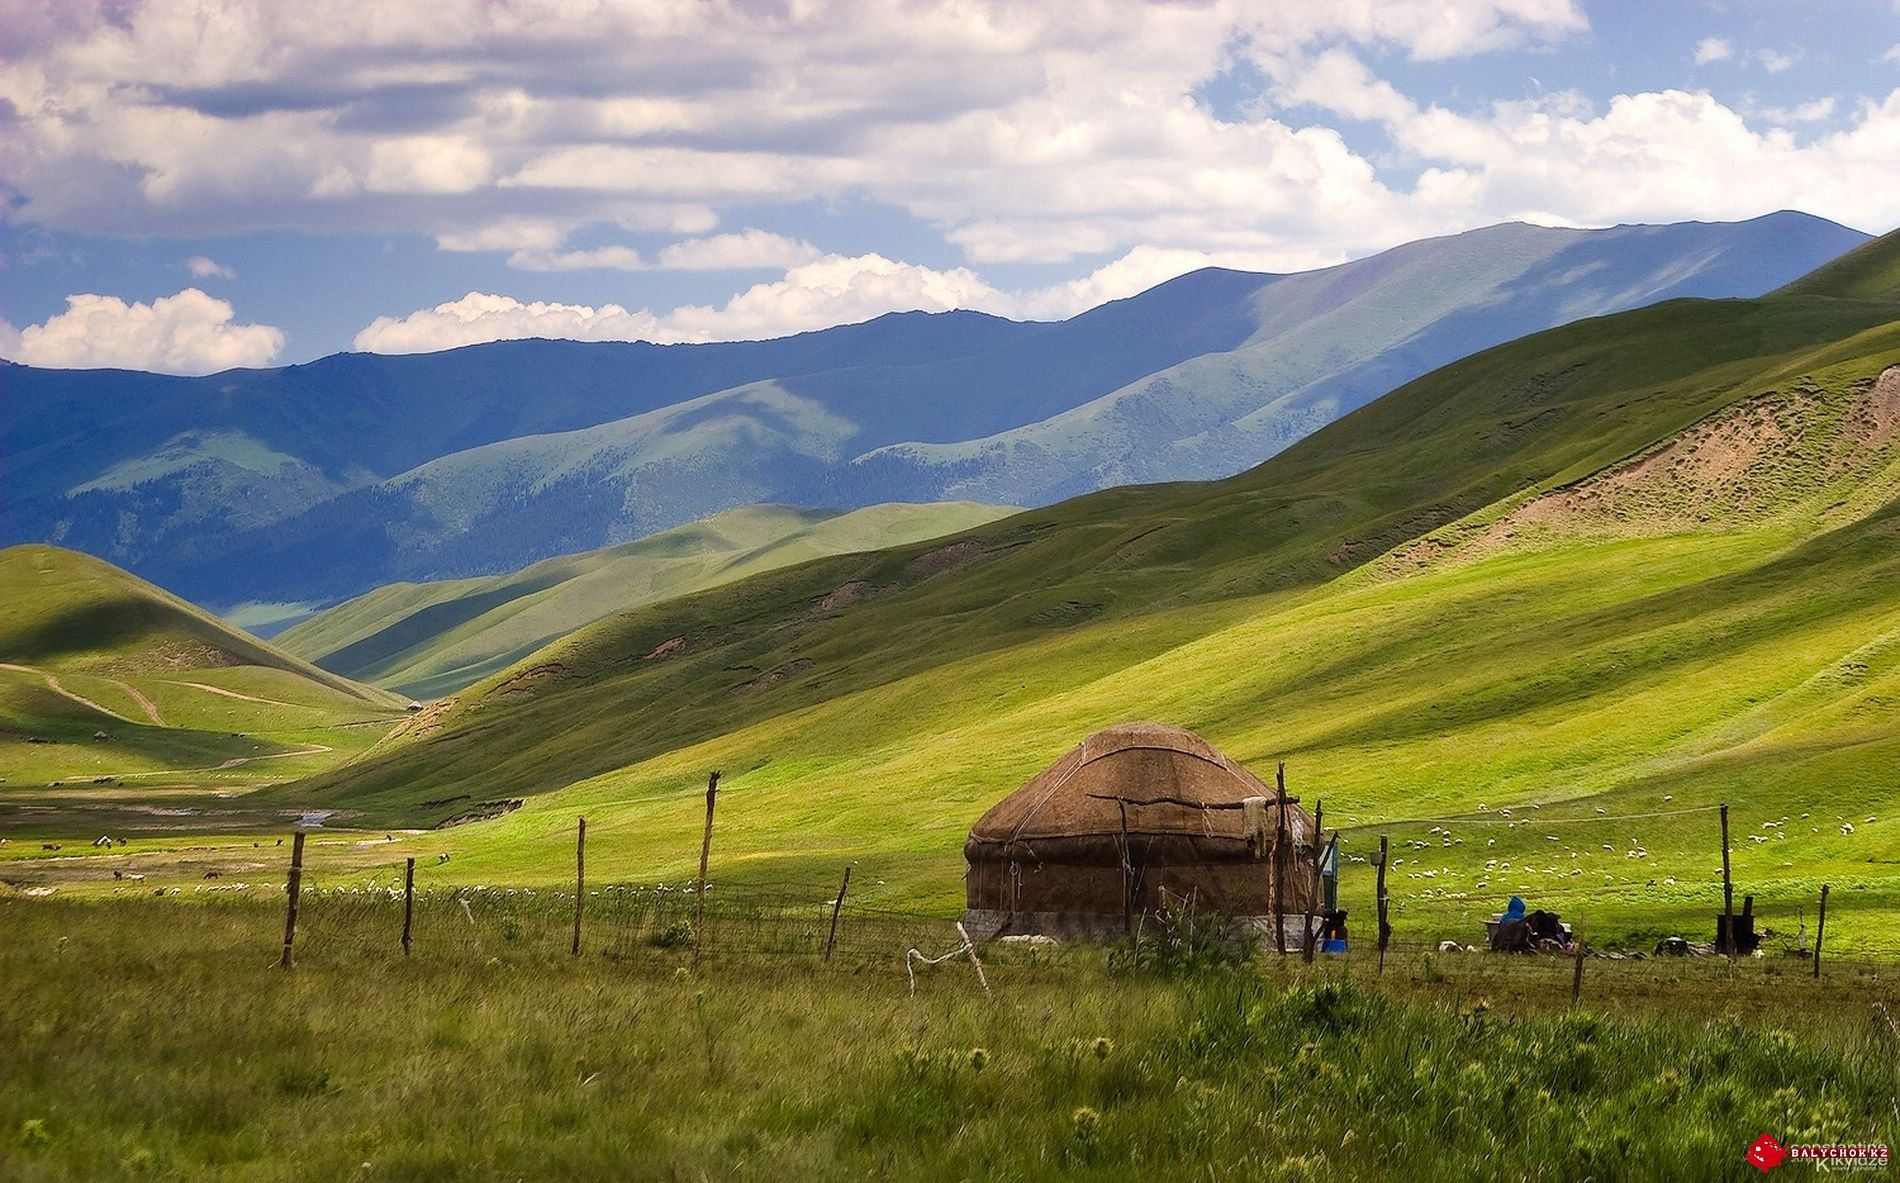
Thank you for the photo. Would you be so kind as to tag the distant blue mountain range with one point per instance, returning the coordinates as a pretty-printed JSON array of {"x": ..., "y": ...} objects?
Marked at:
[{"x": 314, "y": 482}]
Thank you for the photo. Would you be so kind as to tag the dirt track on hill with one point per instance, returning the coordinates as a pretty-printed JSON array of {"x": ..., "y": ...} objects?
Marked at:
[
  {"x": 151, "y": 708},
  {"x": 53, "y": 684},
  {"x": 207, "y": 687}
]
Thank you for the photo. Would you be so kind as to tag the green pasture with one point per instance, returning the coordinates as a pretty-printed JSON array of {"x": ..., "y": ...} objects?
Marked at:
[{"x": 159, "y": 1040}]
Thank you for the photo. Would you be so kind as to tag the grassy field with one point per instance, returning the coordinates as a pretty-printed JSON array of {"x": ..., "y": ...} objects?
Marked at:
[
  {"x": 156, "y": 1040},
  {"x": 431, "y": 639}
]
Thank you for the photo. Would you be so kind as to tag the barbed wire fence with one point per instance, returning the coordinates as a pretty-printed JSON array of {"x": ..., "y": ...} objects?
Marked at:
[
  {"x": 1584, "y": 865},
  {"x": 340, "y": 915}
]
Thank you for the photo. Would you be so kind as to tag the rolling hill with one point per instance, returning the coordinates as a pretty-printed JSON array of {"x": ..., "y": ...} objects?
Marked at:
[
  {"x": 1622, "y": 569},
  {"x": 435, "y": 638},
  {"x": 114, "y": 692},
  {"x": 312, "y": 483}
]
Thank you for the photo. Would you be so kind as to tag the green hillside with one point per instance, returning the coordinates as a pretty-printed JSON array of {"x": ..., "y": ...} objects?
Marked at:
[
  {"x": 114, "y": 692},
  {"x": 1870, "y": 271},
  {"x": 435, "y": 638},
  {"x": 1637, "y": 564},
  {"x": 1538, "y": 412}
]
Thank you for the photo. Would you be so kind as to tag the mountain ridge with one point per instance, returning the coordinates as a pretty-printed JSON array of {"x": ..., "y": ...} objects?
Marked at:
[
  {"x": 1536, "y": 413},
  {"x": 316, "y": 482}
]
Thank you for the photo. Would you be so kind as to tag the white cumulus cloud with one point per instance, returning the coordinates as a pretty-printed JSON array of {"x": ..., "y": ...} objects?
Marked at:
[
  {"x": 616, "y": 258},
  {"x": 1713, "y": 49},
  {"x": 188, "y": 333},
  {"x": 1077, "y": 132},
  {"x": 479, "y": 317},
  {"x": 1647, "y": 157},
  {"x": 1809, "y": 112},
  {"x": 1774, "y": 61},
  {"x": 206, "y": 268},
  {"x": 1139, "y": 270},
  {"x": 427, "y": 164},
  {"x": 745, "y": 250},
  {"x": 1020, "y": 131},
  {"x": 831, "y": 290}
]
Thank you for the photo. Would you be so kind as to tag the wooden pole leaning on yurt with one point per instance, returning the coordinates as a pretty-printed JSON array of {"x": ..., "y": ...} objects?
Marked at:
[
  {"x": 1319, "y": 860},
  {"x": 1128, "y": 875},
  {"x": 1279, "y": 868}
]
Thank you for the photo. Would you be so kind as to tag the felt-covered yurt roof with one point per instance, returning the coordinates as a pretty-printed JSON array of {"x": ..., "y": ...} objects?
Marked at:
[{"x": 1135, "y": 762}]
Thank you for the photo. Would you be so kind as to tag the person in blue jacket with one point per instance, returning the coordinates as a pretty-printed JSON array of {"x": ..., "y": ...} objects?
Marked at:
[{"x": 1513, "y": 935}]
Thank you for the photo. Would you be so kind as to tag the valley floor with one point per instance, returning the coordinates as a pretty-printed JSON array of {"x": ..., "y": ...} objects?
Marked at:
[{"x": 155, "y": 1039}]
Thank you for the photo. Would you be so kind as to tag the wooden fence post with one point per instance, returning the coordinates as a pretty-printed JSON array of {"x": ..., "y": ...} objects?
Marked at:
[
  {"x": 1820, "y": 927},
  {"x": 836, "y": 905},
  {"x": 1279, "y": 867},
  {"x": 1728, "y": 892},
  {"x": 580, "y": 881},
  {"x": 1576, "y": 978},
  {"x": 705, "y": 852},
  {"x": 408, "y": 902},
  {"x": 295, "y": 889},
  {"x": 1385, "y": 930},
  {"x": 1319, "y": 860}
]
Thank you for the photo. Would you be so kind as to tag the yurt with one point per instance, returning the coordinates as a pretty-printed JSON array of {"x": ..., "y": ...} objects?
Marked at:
[{"x": 1134, "y": 820}]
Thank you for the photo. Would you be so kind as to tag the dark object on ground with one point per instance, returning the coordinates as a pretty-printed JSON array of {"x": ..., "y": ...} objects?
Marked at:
[
  {"x": 1747, "y": 940},
  {"x": 1537, "y": 931}
]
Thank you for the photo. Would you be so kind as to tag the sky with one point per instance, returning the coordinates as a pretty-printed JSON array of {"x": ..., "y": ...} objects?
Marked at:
[{"x": 192, "y": 186}]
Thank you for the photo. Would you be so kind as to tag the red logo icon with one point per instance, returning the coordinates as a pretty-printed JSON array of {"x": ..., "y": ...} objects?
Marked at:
[{"x": 1766, "y": 1154}]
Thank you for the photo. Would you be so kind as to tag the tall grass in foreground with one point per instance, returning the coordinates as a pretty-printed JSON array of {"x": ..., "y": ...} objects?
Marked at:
[{"x": 159, "y": 1040}]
